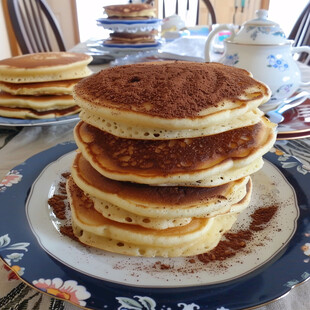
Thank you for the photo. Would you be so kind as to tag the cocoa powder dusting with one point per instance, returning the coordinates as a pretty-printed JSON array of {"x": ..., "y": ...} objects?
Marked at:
[
  {"x": 58, "y": 205},
  {"x": 234, "y": 242},
  {"x": 166, "y": 89},
  {"x": 262, "y": 217},
  {"x": 67, "y": 230}
]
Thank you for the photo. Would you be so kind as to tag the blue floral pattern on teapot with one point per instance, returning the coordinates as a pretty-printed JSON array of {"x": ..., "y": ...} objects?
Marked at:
[{"x": 277, "y": 63}]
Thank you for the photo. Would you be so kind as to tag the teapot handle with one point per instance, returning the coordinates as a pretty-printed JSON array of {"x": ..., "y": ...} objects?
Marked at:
[
  {"x": 212, "y": 34},
  {"x": 300, "y": 49}
]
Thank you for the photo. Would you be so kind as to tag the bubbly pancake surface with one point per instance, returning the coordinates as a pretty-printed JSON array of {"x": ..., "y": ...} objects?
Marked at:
[
  {"x": 170, "y": 95},
  {"x": 148, "y": 133},
  {"x": 151, "y": 162}
]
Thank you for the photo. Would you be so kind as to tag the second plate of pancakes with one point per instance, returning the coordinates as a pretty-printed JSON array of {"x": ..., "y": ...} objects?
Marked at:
[{"x": 39, "y": 87}]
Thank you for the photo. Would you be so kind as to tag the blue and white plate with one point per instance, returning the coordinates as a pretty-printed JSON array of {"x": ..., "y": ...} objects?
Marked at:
[
  {"x": 274, "y": 262},
  {"x": 122, "y": 25},
  {"x": 15, "y": 122}
]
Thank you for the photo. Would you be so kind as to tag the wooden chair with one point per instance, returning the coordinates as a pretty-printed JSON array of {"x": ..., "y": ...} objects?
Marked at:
[
  {"x": 301, "y": 33},
  {"x": 35, "y": 26},
  {"x": 197, "y": 4}
]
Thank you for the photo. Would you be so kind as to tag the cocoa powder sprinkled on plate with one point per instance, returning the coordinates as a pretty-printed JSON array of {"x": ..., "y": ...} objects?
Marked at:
[
  {"x": 57, "y": 203},
  {"x": 234, "y": 242}
]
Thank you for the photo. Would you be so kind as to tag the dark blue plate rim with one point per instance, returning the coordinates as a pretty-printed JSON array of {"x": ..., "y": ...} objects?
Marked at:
[
  {"x": 107, "y": 21},
  {"x": 132, "y": 45},
  {"x": 20, "y": 248}
]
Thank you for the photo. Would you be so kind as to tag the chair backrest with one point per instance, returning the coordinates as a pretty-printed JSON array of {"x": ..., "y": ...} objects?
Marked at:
[
  {"x": 35, "y": 27},
  {"x": 189, "y": 5},
  {"x": 301, "y": 32}
]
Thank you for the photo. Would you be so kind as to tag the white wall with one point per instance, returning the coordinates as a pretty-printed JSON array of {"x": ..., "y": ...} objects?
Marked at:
[
  {"x": 88, "y": 12},
  {"x": 286, "y": 13},
  {"x": 5, "y": 51}
]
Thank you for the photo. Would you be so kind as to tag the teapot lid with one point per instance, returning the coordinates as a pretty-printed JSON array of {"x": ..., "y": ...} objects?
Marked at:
[{"x": 260, "y": 31}]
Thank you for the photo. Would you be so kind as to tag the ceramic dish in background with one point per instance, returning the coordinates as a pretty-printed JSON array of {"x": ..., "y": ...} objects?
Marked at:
[
  {"x": 294, "y": 135},
  {"x": 132, "y": 47},
  {"x": 129, "y": 25},
  {"x": 117, "y": 282},
  {"x": 16, "y": 122},
  {"x": 296, "y": 120}
]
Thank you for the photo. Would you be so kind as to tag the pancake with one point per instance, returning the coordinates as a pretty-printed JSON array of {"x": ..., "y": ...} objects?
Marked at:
[
  {"x": 169, "y": 202},
  {"x": 130, "y": 38},
  {"x": 38, "y": 103},
  {"x": 120, "y": 215},
  {"x": 24, "y": 113},
  {"x": 170, "y": 95},
  {"x": 43, "y": 88},
  {"x": 204, "y": 161},
  {"x": 42, "y": 67},
  {"x": 207, "y": 242},
  {"x": 115, "y": 213},
  {"x": 133, "y": 10},
  {"x": 91, "y": 228},
  {"x": 148, "y": 133}
]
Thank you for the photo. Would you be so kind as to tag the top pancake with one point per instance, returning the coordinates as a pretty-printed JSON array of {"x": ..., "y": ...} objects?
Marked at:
[
  {"x": 130, "y": 10},
  {"x": 170, "y": 95},
  {"x": 40, "y": 67}
]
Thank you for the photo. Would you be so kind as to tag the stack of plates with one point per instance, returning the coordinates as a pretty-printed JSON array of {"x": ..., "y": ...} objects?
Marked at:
[{"x": 131, "y": 26}]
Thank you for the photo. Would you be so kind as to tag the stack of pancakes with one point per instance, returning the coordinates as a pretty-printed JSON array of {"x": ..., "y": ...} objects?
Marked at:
[
  {"x": 165, "y": 155},
  {"x": 132, "y": 12},
  {"x": 39, "y": 86}
]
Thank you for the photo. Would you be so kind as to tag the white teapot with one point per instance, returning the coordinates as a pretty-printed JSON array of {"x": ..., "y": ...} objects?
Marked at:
[{"x": 260, "y": 46}]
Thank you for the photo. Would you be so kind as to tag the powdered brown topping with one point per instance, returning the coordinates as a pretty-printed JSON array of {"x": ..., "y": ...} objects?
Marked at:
[
  {"x": 169, "y": 156},
  {"x": 167, "y": 89},
  {"x": 234, "y": 242}
]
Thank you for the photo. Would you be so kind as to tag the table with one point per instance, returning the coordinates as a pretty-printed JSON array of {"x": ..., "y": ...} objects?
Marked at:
[{"x": 18, "y": 144}]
